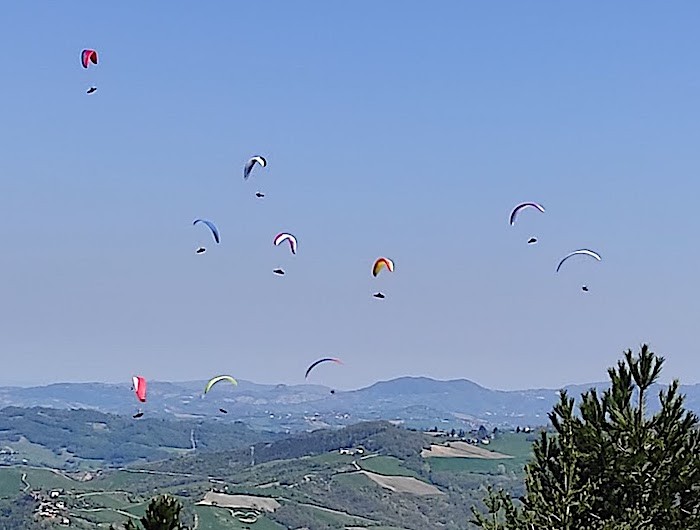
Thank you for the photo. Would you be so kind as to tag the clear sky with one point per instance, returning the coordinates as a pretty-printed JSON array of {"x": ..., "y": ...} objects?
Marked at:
[{"x": 405, "y": 128}]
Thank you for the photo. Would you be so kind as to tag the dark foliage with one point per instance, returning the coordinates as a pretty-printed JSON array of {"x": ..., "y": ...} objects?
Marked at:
[
  {"x": 613, "y": 466},
  {"x": 163, "y": 513}
]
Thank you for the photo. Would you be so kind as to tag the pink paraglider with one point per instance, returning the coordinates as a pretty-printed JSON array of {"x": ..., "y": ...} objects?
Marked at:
[
  {"x": 139, "y": 384},
  {"x": 87, "y": 57}
]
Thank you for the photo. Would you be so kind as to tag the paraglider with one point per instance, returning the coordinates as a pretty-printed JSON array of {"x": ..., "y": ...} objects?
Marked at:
[
  {"x": 380, "y": 264},
  {"x": 212, "y": 227},
  {"x": 532, "y": 241},
  {"x": 138, "y": 385},
  {"x": 584, "y": 288},
  {"x": 201, "y": 250},
  {"x": 324, "y": 360},
  {"x": 87, "y": 57},
  {"x": 583, "y": 251},
  {"x": 91, "y": 89},
  {"x": 251, "y": 162},
  {"x": 217, "y": 379},
  {"x": 278, "y": 272},
  {"x": 522, "y": 206},
  {"x": 281, "y": 238},
  {"x": 224, "y": 411},
  {"x": 259, "y": 195},
  {"x": 332, "y": 391}
]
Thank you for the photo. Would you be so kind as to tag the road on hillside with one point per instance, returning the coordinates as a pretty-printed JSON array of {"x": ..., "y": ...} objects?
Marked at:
[{"x": 24, "y": 481}]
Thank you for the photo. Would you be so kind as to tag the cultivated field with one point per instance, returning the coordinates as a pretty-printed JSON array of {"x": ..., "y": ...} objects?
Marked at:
[
  {"x": 461, "y": 450},
  {"x": 249, "y": 502},
  {"x": 402, "y": 484}
]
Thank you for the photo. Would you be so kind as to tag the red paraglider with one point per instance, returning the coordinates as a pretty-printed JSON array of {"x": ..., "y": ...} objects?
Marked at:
[
  {"x": 139, "y": 384},
  {"x": 87, "y": 57}
]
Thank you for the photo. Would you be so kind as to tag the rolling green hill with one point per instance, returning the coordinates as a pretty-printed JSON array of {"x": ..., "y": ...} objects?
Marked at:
[
  {"x": 369, "y": 475},
  {"x": 76, "y": 439}
]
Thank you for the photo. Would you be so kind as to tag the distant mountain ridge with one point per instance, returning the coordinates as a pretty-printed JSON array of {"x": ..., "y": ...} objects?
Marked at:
[{"x": 413, "y": 401}]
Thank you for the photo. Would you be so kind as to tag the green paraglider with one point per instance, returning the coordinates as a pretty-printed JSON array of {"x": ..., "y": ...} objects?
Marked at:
[{"x": 217, "y": 379}]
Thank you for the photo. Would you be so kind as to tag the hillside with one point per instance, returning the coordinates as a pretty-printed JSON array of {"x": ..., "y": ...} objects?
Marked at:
[
  {"x": 378, "y": 437},
  {"x": 370, "y": 475},
  {"x": 74, "y": 439}
]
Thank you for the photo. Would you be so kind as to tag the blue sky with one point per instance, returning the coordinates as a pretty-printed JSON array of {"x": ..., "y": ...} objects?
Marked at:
[{"x": 405, "y": 129}]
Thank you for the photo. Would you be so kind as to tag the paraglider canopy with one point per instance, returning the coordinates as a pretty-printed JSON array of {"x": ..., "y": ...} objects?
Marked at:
[
  {"x": 87, "y": 57},
  {"x": 212, "y": 227},
  {"x": 279, "y": 272},
  {"x": 224, "y": 411},
  {"x": 380, "y": 264},
  {"x": 137, "y": 415},
  {"x": 379, "y": 295},
  {"x": 139, "y": 387},
  {"x": 324, "y": 360},
  {"x": 251, "y": 162},
  {"x": 583, "y": 251},
  {"x": 522, "y": 206},
  {"x": 284, "y": 236},
  {"x": 217, "y": 379},
  {"x": 259, "y": 195},
  {"x": 532, "y": 241},
  {"x": 201, "y": 250},
  {"x": 91, "y": 89}
]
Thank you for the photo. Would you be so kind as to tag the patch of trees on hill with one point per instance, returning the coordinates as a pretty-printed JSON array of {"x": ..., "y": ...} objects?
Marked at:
[
  {"x": 16, "y": 513},
  {"x": 375, "y": 436},
  {"x": 118, "y": 440}
]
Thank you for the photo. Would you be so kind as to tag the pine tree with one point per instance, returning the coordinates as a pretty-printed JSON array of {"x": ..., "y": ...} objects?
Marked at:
[
  {"x": 163, "y": 513},
  {"x": 612, "y": 466}
]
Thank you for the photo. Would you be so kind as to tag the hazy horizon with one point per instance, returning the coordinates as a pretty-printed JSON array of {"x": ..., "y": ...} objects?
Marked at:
[
  {"x": 407, "y": 132},
  {"x": 662, "y": 381}
]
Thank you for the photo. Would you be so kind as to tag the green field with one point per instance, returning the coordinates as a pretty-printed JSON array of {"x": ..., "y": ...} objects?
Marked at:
[
  {"x": 44, "y": 478},
  {"x": 354, "y": 480},
  {"x": 10, "y": 483},
  {"x": 333, "y": 458},
  {"x": 35, "y": 454},
  {"x": 514, "y": 444},
  {"x": 476, "y": 465},
  {"x": 212, "y": 518},
  {"x": 386, "y": 465}
]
